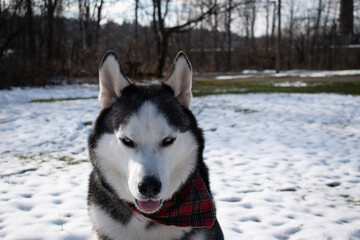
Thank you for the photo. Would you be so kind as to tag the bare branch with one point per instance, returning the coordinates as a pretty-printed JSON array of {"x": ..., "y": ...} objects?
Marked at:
[{"x": 192, "y": 21}]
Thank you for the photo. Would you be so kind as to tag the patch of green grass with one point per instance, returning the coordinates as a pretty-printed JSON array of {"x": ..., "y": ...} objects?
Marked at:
[
  {"x": 87, "y": 123},
  {"x": 59, "y": 99},
  {"x": 45, "y": 157},
  {"x": 26, "y": 157},
  {"x": 353, "y": 201},
  {"x": 42, "y": 157},
  {"x": 70, "y": 160},
  {"x": 211, "y": 86}
]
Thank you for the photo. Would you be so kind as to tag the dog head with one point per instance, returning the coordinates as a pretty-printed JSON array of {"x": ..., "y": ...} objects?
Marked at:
[{"x": 143, "y": 143}]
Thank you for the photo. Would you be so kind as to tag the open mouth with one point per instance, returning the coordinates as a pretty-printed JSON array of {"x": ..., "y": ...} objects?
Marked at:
[{"x": 148, "y": 206}]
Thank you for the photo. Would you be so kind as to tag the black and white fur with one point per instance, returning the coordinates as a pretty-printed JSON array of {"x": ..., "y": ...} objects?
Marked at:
[{"x": 143, "y": 135}]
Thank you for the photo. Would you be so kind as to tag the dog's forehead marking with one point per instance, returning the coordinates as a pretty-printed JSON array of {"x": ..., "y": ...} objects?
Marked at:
[{"x": 148, "y": 123}]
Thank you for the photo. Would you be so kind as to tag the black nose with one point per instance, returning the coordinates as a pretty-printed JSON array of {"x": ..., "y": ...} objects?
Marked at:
[{"x": 149, "y": 187}]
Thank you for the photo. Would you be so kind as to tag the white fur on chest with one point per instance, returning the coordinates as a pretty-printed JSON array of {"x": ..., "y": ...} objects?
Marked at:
[{"x": 136, "y": 228}]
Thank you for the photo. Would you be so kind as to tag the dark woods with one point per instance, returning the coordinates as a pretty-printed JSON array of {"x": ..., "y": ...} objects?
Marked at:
[{"x": 39, "y": 45}]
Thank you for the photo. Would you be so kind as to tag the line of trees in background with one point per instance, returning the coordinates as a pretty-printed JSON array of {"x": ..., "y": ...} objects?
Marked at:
[{"x": 39, "y": 45}]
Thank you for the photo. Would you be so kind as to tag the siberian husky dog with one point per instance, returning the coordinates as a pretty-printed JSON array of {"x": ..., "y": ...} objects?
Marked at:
[{"x": 149, "y": 180}]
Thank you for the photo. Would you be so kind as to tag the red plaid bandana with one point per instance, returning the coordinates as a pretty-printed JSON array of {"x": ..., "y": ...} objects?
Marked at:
[{"x": 191, "y": 207}]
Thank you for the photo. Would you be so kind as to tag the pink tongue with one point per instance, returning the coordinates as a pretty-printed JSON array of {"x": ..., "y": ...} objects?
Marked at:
[{"x": 149, "y": 205}]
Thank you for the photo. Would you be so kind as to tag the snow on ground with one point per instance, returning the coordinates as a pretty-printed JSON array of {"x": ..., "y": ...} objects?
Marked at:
[
  {"x": 290, "y": 84},
  {"x": 26, "y": 94},
  {"x": 291, "y": 73},
  {"x": 283, "y": 166}
]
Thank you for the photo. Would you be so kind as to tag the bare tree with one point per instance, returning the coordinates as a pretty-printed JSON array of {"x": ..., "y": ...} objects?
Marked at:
[
  {"x": 273, "y": 24},
  {"x": 163, "y": 32},
  {"x": 90, "y": 16},
  {"x": 228, "y": 33},
  {"x": 278, "y": 39},
  {"x": 214, "y": 26},
  {"x": 136, "y": 18},
  {"x": 314, "y": 41},
  {"x": 50, "y": 6},
  {"x": 252, "y": 25},
  {"x": 31, "y": 50},
  {"x": 291, "y": 34},
  {"x": 326, "y": 35},
  {"x": 267, "y": 28},
  {"x": 99, "y": 6},
  {"x": 272, "y": 38},
  {"x": 346, "y": 20}
]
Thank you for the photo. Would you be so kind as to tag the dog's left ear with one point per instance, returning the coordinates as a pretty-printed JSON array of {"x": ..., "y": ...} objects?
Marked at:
[{"x": 180, "y": 79}]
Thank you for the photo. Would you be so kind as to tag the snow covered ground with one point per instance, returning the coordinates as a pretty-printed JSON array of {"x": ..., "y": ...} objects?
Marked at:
[
  {"x": 283, "y": 166},
  {"x": 291, "y": 73}
]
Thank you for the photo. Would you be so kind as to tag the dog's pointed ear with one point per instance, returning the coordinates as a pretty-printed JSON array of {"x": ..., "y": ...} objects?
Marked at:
[
  {"x": 111, "y": 79},
  {"x": 180, "y": 79}
]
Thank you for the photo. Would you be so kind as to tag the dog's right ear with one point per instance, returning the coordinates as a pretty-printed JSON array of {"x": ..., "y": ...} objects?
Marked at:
[{"x": 111, "y": 78}]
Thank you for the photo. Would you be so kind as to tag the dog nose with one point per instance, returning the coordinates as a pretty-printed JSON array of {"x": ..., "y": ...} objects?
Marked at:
[{"x": 149, "y": 187}]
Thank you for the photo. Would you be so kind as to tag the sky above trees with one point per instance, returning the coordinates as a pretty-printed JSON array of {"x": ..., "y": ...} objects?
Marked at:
[{"x": 123, "y": 10}]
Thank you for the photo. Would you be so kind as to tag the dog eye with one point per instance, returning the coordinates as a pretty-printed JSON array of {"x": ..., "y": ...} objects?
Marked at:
[
  {"x": 168, "y": 141},
  {"x": 128, "y": 142}
]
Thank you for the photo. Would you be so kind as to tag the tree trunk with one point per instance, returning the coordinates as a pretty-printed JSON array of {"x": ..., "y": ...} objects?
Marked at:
[
  {"x": 252, "y": 25},
  {"x": 216, "y": 40},
  {"x": 228, "y": 33},
  {"x": 97, "y": 31},
  {"x": 50, "y": 34},
  {"x": 273, "y": 26},
  {"x": 247, "y": 20},
  {"x": 31, "y": 52},
  {"x": 87, "y": 25},
  {"x": 278, "y": 40},
  {"x": 346, "y": 20},
  {"x": 162, "y": 53},
  {"x": 272, "y": 38},
  {"x": 136, "y": 18},
  {"x": 267, "y": 29},
  {"x": 50, "y": 7},
  {"x": 314, "y": 42},
  {"x": 81, "y": 24},
  {"x": 291, "y": 34},
  {"x": 326, "y": 51}
]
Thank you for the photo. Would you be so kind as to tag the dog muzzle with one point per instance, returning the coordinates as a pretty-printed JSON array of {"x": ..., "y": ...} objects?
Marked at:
[{"x": 192, "y": 206}]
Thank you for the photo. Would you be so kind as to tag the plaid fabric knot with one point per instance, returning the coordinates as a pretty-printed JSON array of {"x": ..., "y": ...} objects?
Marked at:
[{"x": 191, "y": 207}]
